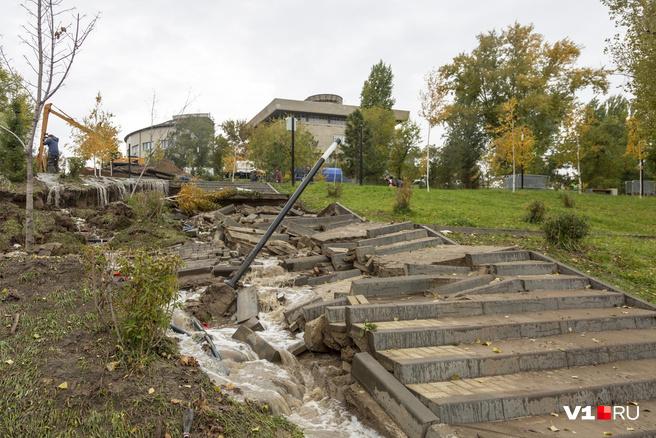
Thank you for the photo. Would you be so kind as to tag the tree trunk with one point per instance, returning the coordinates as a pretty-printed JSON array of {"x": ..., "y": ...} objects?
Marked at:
[{"x": 29, "y": 186}]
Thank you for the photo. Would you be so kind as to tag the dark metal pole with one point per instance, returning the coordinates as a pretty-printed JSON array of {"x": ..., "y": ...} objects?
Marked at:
[
  {"x": 232, "y": 282},
  {"x": 361, "y": 165},
  {"x": 642, "y": 177},
  {"x": 293, "y": 172},
  {"x": 522, "y": 177},
  {"x": 129, "y": 163}
]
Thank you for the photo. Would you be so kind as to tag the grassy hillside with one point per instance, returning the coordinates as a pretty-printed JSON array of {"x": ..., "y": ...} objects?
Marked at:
[{"x": 610, "y": 253}]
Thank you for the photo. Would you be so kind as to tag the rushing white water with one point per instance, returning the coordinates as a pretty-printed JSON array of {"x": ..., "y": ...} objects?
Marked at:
[
  {"x": 288, "y": 388},
  {"x": 105, "y": 187}
]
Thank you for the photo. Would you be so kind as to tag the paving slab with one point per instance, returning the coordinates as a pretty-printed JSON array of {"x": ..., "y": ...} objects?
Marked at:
[
  {"x": 389, "y": 229},
  {"x": 390, "y": 286},
  {"x": 400, "y": 236}
]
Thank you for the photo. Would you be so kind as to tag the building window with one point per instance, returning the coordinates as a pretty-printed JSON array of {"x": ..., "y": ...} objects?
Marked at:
[
  {"x": 147, "y": 146},
  {"x": 164, "y": 144}
]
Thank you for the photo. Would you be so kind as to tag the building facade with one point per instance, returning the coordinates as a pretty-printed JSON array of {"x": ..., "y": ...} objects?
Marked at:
[
  {"x": 323, "y": 115},
  {"x": 141, "y": 142}
]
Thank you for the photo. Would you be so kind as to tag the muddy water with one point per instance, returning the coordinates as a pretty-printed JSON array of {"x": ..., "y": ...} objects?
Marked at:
[{"x": 289, "y": 388}]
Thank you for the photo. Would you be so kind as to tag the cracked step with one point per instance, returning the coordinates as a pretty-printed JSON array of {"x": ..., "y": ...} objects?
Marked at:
[
  {"x": 445, "y": 331},
  {"x": 430, "y": 364},
  {"x": 526, "y": 267}
]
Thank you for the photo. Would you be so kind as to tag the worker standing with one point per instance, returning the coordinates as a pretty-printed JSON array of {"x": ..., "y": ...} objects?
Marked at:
[{"x": 53, "y": 153}]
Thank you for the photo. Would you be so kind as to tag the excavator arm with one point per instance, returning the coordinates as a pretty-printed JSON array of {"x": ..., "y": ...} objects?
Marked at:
[{"x": 41, "y": 158}]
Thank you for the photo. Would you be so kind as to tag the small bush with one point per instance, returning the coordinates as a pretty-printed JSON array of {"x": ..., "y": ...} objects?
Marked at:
[
  {"x": 566, "y": 230},
  {"x": 568, "y": 200},
  {"x": 75, "y": 166},
  {"x": 148, "y": 206},
  {"x": 403, "y": 197},
  {"x": 192, "y": 199},
  {"x": 145, "y": 302},
  {"x": 535, "y": 212},
  {"x": 334, "y": 190}
]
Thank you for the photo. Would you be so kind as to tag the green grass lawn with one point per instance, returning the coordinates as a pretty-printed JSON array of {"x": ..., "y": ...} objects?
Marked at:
[{"x": 609, "y": 254}]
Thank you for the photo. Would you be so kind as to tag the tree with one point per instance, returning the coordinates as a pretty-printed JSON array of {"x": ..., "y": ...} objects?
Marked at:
[
  {"x": 377, "y": 89},
  {"x": 433, "y": 105},
  {"x": 219, "y": 155},
  {"x": 634, "y": 52},
  {"x": 376, "y": 125},
  {"x": 515, "y": 63},
  {"x": 405, "y": 150},
  {"x": 270, "y": 146},
  {"x": 54, "y": 46},
  {"x": 15, "y": 121},
  {"x": 236, "y": 134},
  {"x": 191, "y": 142},
  {"x": 100, "y": 142}
]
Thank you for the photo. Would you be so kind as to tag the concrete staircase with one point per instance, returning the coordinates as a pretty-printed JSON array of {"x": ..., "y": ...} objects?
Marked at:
[{"x": 489, "y": 351}]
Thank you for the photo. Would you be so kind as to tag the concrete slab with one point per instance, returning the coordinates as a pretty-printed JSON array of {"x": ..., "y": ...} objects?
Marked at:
[
  {"x": 247, "y": 306},
  {"x": 392, "y": 286},
  {"x": 261, "y": 347},
  {"x": 304, "y": 263}
]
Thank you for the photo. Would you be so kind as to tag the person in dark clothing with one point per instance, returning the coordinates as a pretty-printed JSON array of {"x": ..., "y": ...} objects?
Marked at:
[{"x": 53, "y": 153}]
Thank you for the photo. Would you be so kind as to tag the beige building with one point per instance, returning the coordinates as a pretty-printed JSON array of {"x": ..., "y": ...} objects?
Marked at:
[
  {"x": 142, "y": 141},
  {"x": 323, "y": 115}
]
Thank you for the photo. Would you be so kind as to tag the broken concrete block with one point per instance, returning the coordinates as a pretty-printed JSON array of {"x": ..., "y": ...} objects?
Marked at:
[
  {"x": 254, "y": 324},
  {"x": 262, "y": 348},
  {"x": 246, "y": 304}
]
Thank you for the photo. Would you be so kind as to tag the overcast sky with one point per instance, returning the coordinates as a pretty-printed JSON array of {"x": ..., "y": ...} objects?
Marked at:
[{"x": 233, "y": 57}]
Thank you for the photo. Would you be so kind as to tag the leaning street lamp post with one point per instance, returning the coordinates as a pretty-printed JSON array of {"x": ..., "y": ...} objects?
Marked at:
[{"x": 232, "y": 282}]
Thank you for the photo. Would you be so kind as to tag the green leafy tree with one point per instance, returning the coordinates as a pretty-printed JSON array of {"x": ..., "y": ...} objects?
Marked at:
[
  {"x": 270, "y": 147},
  {"x": 219, "y": 152},
  {"x": 377, "y": 89},
  {"x": 517, "y": 63},
  {"x": 634, "y": 52},
  {"x": 376, "y": 125},
  {"x": 405, "y": 150},
  {"x": 16, "y": 118},
  {"x": 191, "y": 142},
  {"x": 236, "y": 134}
]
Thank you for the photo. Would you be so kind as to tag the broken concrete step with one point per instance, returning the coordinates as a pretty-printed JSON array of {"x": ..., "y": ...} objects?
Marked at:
[
  {"x": 396, "y": 400},
  {"x": 329, "y": 278},
  {"x": 395, "y": 248},
  {"x": 488, "y": 258},
  {"x": 296, "y": 310},
  {"x": 335, "y": 314},
  {"x": 485, "y": 304},
  {"x": 532, "y": 267},
  {"x": 416, "y": 269},
  {"x": 303, "y": 263},
  {"x": 430, "y": 364},
  {"x": 389, "y": 229},
  {"x": 322, "y": 220},
  {"x": 318, "y": 308},
  {"x": 342, "y": 262},
  {"x": 445, "y": 331},
  {"x": 538, "y": 393},
  {"x": 549, "y": 425},
  {"x": 464, "y": 284},
  {"x": 260, "y": 346},
  {"x": 391, "y": 286},
  {"x": 400, "y": 236}
]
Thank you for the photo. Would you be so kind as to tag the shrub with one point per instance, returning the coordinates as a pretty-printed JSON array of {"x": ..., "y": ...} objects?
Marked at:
[
  {"x": 535, "y": 212},
  {"x": 192, "y": 199},
  {"x": 148, "y": 206},
  {"x": 146, "y": 300},
  {"x": 75, "y": 166},
  {"x": 566, "y": 230},
  {"x": 403, "y": 196},
  {"x": 568, "y": 200},
  {"x": 334, "y": 190}
]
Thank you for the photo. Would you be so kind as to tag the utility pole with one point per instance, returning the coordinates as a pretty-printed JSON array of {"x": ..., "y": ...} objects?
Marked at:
[
  {"x": 512, "y": 129},
  {"x": 642, "y": 179},
  {"x": 428, "y": 159},
  {"x": 293, "y": 129},
  {"x": 578, "y": 161},
  {"x": 361, "y": 164}
]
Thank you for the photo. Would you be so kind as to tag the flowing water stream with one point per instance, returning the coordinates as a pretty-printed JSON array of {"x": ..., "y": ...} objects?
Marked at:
[{"x": 288, "y": 388}]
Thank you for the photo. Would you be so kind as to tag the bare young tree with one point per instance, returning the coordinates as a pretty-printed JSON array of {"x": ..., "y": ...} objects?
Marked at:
[{"x": 54, "y": 35}]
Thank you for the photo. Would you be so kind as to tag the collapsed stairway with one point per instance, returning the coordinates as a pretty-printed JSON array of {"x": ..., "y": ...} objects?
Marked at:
[{"x": 491, "y": 343}]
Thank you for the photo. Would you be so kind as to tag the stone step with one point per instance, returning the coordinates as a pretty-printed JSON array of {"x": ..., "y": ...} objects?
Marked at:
[
  {"x": 527, "y": 267},
  {"x": 335, "y": 314},
  {"x": 389, "y": 229},
  {"x": 317, "y": 308},
  {"x": 400, "y": 236},
  {"x": 429, "y": 364},
  {"x": 363, "y": 252},
  {"x": 554, "y": 282},
  {"x": 485, "y": 304},
  {"x": 488, "y": 258},
  {"x": 303, "y": 263},
  {"x": 551, "y": 426},
  {"x": 465, "y": 284},
  {"x": 539, "y": 392},
  {"x": 445, "y": 331},
  {"x": 391, "y": 286},
  {"x": 416, "y": 269}
]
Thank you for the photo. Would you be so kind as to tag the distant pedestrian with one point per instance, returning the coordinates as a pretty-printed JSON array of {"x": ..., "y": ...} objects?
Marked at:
[
  {"x": 53, "y": 153},
  {"x": 277, "y": 176}
]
